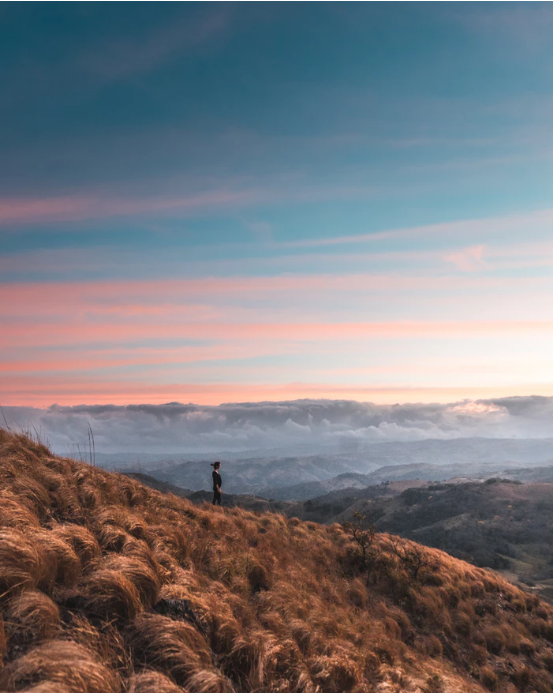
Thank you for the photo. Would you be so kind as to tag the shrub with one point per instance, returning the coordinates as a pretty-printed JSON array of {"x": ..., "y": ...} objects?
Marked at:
[
  {"x": 522, "y": 678},
  {"x": 435, "y": 683},
  {"x": 489, "y": 679},
  {"x": 435, "y": 646},
  {"x": 61, "y": 666},
  {"x": 175, "y": 647},
  {"x": 463, "y": 624},
  {"x": 139, "y": 572},
  {"x": 363, "y": 536},
  {"x": 413, "y": 558},
  {"x": 494, "y": 639},
  {"x": 108, "y": 594},
  {"x": 82, "y": 540},
  {"x": 527, "y": 647},
  {"x": 257, "y": 578},
  {"x": 478, "y": 654},
  {"x": 60, "y": 562},
  {"x": 14, "y": 514},
  {"x": 21, "y": 563},
  {"x": 32, "y": 615},
  {"x": 152, "y": 681}
]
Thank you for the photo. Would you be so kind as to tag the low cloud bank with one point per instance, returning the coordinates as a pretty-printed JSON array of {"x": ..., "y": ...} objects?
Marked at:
[{"x": 180, "y": 428}]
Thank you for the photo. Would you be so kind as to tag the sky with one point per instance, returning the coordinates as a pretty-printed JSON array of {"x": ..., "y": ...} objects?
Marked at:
[{"x": 217, "y": 202}]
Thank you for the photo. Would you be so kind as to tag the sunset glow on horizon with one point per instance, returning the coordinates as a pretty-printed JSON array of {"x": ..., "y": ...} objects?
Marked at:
[{"x": 218, "y": 203}]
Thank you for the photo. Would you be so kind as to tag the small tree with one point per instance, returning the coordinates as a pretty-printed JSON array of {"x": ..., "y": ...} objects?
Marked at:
[
  {"x": 413, "y": 558},
  {"x": 363, "y": 536}
]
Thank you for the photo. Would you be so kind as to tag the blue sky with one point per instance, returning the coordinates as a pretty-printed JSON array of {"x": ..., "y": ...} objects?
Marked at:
[{"x": 222, "y": 201}]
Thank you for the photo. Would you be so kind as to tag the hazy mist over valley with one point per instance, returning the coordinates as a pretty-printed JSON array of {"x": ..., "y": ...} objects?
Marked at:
[{"x": 273, "y": 446}]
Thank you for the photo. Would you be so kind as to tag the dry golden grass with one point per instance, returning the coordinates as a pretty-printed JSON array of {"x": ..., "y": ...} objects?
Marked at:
[
  {"x": 106, "y": 585},
  {"x": 32, "y": 615},
  {"x": 151, "y": 681}
]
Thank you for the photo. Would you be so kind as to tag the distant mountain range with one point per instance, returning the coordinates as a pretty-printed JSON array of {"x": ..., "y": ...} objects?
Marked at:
[
  {"x": 429, "y": 459},
  {"x": 414, "y": 471}
]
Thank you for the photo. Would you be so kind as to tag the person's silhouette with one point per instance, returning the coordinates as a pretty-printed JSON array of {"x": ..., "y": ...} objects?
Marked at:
[{"x": 217, "y": 484}]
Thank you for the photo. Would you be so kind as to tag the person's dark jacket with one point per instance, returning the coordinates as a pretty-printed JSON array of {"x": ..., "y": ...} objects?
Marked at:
[{"x": 217, "y": 480}]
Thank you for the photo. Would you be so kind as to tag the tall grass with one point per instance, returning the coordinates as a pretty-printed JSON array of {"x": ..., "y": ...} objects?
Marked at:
[{"x": 106, "y": 585}]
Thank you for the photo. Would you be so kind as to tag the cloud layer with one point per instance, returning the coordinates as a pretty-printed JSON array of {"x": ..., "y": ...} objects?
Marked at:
[{"x": 185, "y": 429}]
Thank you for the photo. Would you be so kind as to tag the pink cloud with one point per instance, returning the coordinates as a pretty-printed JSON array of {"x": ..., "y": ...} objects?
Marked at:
[
  {"x": 16, "y": 333},
  {"x": 47, "y": 209},
  {"x": 468, "y": 259},
  {"x": 85, "y": 359},
  {"x": 133, "y": 327},
  {"x": 97, "y": 206},
  {"x": 198, "y": 294},
  {"x": 45, "y": 391},
  {"x": 82, "y": 207}
]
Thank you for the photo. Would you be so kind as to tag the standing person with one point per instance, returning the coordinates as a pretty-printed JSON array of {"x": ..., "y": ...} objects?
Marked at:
[{"x": 217, "y": 484}]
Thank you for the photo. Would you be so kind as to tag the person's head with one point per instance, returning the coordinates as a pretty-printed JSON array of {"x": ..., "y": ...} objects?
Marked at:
[{"x": 216, "y": 466}]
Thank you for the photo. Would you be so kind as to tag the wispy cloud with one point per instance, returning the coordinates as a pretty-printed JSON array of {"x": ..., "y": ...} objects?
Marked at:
[
  {"x": 526, "y": 27},
  {"x": 481, "y": 258},
  {"x": 100, "y": 206},
  {"x": 98, "y": 332},
  {"x": 360, "y": 268},
  {"x": 126, "y": 55},
  {"x": 453, "y": 230},
  {"x": 60, "y": 209},
  {"x": 62, "y": 297}
]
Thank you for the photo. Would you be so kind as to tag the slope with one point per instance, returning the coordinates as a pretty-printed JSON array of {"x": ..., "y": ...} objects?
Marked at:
[
  {"x": 500, "y": 524},
  {"x": 160, "y": 486},
  {"x": 107, "y": 585}
]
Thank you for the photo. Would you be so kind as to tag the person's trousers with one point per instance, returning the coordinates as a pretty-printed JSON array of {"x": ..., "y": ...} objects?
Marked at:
[{"x": 217, "y": 498}]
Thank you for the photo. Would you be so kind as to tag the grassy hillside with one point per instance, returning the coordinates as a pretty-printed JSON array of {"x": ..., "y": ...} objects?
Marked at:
[
  {"x": 160, "y": 486},
  {"x": 503, "y": 525},
  {"x": 107, "y": 585}
]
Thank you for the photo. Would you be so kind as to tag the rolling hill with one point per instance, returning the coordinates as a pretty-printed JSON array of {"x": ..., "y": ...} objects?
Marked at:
[
  {"x": 500, "y": 524},
  {"x": 269, "y": 475},
  {"x": 473, "y": 521},
  {"x": 414, "y": 472},
  {"x": 108, "y": 585}
]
